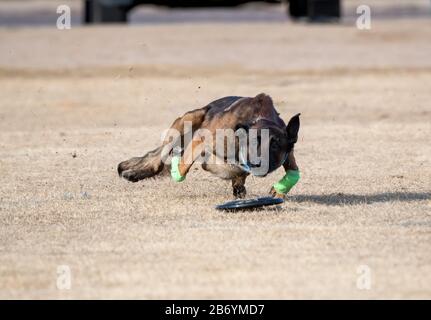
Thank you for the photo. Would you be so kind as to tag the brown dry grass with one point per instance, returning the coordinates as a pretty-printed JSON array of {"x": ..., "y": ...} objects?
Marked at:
[{"x": 106, "y": 94}]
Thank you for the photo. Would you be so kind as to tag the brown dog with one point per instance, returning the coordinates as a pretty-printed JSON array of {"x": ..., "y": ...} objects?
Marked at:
[{"x": 226, "y": 113}]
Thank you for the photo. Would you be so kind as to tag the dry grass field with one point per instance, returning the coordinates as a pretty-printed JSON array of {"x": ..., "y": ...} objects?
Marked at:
[{"x": 75, "y": 103}]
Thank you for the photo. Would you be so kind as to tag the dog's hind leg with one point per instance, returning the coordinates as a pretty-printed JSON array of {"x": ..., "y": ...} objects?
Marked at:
[
  {"x": 138, "y": 168},
  {"x": 153, "y": 163}
]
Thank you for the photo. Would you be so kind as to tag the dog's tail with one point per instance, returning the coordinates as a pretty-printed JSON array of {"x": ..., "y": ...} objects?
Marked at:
[{"x": 148, "y": 166}]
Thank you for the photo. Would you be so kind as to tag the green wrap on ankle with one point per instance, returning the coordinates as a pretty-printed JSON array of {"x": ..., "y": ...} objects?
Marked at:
[
  {"x": 289, "y": 180},
  {"x": 175, "y": 171}
]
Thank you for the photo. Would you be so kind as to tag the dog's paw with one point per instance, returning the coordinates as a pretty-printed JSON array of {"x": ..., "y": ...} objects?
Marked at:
[
  {"x": 139, "y": 168},
  {"x": 127, "y": 165},
  {"x": 239, "y": 192},
  {"x": 131, "y": 175},
  {"x": 275, "y": 194},
  {"x": 134, "y": 170}
]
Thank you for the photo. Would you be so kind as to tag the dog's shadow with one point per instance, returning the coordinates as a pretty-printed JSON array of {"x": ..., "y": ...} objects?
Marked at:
[{"x": 340, "y": 199}]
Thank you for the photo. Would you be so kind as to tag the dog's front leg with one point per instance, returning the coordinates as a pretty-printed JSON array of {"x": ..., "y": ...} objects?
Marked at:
[
  {"x": 238, "y": 186},
  {"x": 180, "y": 166},
  {"x": 281, "y": 188}
]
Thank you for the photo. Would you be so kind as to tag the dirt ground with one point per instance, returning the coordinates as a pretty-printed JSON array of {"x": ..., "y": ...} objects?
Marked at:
[{"x": 75, "y": 103}]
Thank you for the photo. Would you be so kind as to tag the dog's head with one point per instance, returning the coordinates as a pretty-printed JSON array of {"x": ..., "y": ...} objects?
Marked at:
[{"x": 269, "y": 145}]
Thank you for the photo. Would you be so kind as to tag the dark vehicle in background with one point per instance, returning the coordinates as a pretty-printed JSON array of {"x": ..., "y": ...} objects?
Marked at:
[{"x": 116, "y": 11}]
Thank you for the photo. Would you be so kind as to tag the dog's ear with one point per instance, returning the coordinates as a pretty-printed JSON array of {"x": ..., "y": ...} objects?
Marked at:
[{"x": 293, "y": 128}]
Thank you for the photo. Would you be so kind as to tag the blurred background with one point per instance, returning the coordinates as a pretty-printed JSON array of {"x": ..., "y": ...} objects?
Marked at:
[{"x": 43, "y": 12}]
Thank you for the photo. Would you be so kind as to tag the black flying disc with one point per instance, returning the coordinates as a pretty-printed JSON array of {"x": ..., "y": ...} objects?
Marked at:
[{"x": 249, "y": 203}]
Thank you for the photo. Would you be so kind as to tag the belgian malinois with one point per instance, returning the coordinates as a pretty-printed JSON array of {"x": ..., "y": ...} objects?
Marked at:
[{"x": 233, "y": 113}]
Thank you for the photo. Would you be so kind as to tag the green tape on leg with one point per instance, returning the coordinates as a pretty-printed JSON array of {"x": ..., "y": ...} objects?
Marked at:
[
  {"x": 289, "y": 180},
  {"x": 175, "y": 171}
]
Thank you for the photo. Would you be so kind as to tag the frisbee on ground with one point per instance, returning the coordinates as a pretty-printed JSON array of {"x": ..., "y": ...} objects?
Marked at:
[{"x": 249, "y": 203}]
